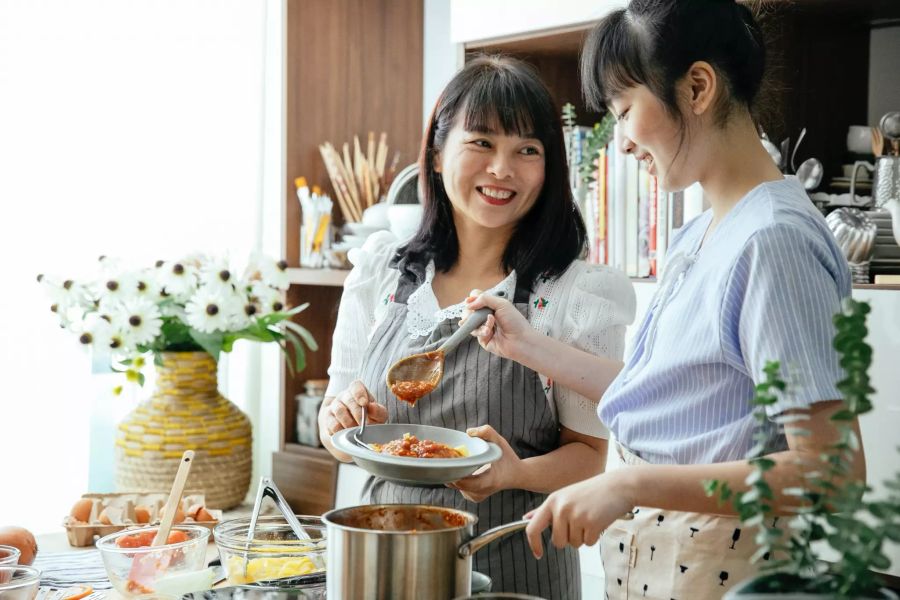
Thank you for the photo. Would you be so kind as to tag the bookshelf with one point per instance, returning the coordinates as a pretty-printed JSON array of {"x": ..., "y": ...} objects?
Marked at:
[{"x": 818, "y": 76}]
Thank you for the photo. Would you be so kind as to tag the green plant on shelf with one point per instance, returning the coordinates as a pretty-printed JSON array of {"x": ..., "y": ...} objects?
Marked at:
[{"x": 597, "y": 138}]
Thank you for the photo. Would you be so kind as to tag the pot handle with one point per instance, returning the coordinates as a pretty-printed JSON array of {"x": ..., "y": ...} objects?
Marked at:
[{"x": 477, "y": 543}]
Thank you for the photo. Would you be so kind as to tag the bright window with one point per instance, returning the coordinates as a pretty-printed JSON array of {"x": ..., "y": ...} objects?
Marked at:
[{"x": 127, "y": 128}]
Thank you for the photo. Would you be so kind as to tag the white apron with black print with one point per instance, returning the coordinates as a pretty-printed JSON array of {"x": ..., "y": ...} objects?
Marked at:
[{"x": 672, "y": 555}]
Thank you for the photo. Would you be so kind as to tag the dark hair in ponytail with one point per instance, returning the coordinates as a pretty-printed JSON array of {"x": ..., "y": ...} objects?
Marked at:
[{"x": 654, "y": 42}]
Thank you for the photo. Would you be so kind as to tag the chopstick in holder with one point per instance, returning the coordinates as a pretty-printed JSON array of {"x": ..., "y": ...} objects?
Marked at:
[
  {"x": 334, "y": 167},
  {"x": 359, "y": 178},
  {"x": 367, "y": 182},
  {"x": 347, "y": 167},
  {"x": 350, "y": 189},
  {"x": 381, "y": 156},
  {"x": 360, "y": 171}
]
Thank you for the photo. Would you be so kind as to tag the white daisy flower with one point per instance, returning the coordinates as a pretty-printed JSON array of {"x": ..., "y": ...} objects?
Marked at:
[
  {"x": 96, "y": 331},
  {"x": 115, "y": 289},
  {"x": 249, "y": 310},
  {"x": 69, "y": 300},
  {"x": 178, "y": 279},
  {"x": 147, "y": 286},
  {"x": 139, "y": 320},
  {"x": 267, "y": 299},
  {"x": 271, "y": 272},
  {"x": 209, "y": 311},
  {"x": 217, "y": 276}
]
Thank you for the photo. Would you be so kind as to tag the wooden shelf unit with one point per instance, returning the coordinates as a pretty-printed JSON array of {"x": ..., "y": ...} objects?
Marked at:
[{"x": 351, "y": 67}]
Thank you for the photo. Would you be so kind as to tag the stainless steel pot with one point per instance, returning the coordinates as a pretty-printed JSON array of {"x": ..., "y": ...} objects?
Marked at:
[{"x": 403, "y": 551}]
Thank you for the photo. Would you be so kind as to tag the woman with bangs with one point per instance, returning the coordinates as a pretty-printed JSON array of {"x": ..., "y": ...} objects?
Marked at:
[
  {"x": 499, "y": 216},
  {"x": 757, "y": 277}
]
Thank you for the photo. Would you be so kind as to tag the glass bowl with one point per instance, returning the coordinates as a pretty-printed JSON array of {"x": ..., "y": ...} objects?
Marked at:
[
  {"x": 9, "y": 555},
  {"x": 275, "y": 557},
  {"x": 18, "y": 582},
  {"x": 138, "y": 572}
]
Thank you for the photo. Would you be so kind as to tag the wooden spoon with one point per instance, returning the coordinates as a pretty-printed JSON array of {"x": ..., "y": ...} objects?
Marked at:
[
  {"x": 415, "y": 376},
  {"x": 146, "y": 568}
]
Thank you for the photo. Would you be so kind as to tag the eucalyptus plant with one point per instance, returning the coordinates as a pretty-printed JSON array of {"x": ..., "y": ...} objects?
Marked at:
[
  {"x": 832, "y": 508},
  {"x": 597, "y": 138}
]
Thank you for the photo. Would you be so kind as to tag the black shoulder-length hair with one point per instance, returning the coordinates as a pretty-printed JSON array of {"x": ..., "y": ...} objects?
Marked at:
[{"x": 501, "y": 94}]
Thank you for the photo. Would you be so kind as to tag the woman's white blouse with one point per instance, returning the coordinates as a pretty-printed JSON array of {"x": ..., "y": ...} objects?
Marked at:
[{"x": 588, "y": 307}]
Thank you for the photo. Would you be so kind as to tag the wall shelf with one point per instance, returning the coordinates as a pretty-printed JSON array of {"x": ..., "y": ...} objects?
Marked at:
[{"x": 327, "y": 277}]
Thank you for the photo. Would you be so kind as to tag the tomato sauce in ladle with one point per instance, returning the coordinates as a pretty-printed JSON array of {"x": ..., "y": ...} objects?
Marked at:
[{"x": 418, "y": 375}]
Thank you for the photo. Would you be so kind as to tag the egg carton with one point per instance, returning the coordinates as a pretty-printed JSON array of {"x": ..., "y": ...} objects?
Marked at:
[{"x": 118, "y": 512}]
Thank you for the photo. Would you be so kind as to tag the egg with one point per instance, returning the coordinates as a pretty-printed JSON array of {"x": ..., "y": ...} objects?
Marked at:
[
  {"x": 81, "y": 511},
  {"x": 142, "y": 514},
  {"x": 104, "y": 517},
  {"x": 198, "y": 513},
  {"x": 204, "y": 515},
  {"x": 193, "y": 510},
  {"x": 179, "y": 514},
  {"x": 21, "y": 539}
]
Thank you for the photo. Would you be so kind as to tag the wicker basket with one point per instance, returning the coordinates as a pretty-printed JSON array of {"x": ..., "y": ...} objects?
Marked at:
[{"x": 186, "y": 411}]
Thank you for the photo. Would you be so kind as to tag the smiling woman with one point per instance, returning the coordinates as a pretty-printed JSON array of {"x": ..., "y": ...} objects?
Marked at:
[{"x": 119, "y": 120}]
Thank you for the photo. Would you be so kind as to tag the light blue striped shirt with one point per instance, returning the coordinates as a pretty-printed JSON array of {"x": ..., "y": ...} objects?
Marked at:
[{"x": 763, "y": 287}]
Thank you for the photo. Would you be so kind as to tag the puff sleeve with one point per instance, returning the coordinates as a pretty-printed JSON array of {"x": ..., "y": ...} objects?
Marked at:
[
  {"x": 360, "y": 308},
  {"x": 595, "y": 303}
]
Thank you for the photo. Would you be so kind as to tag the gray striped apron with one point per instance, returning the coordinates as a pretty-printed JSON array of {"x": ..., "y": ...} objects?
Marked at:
[{"x": 478, "y": 388}]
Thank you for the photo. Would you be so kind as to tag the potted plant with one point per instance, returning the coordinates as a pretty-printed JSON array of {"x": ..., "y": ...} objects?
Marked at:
[
  {"x": 832, "y": 509},
  {"x": 186, "y": 313}
]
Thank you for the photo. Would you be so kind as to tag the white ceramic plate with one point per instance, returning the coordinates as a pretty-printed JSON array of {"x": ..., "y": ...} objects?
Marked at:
[{"x": 416, "y": 470}]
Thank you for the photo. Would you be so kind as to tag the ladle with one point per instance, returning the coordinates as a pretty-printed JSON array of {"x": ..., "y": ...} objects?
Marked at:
[{"x": 415, "y": 376}]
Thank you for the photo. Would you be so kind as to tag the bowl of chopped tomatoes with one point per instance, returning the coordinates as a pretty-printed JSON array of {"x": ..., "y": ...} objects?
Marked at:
[
  {"x": 137, "y": 569},
  {"x": 419, "y": 454}
]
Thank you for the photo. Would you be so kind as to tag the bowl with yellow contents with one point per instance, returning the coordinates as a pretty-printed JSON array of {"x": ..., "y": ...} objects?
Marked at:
[
  {"x": 274, "y": 557},
  {"x": 419, "y": 454}
]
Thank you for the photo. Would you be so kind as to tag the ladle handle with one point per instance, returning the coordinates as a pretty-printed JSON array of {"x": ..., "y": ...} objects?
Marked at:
[{"x": 473, "y": 322}]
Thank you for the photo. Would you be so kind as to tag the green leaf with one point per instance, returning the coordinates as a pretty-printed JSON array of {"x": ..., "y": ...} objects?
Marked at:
[
  {"x": 211, "y": 342},
  {"x": 892, "y": 532},
  {"x": 763, "y": 463},
  {"x": 290, "y": 366},
  {"x": 299, "y": 354},
  {"x": 843, "y": 415},
  {"x": 304, "y": 334},
  {"x": 882, "y": 510}
]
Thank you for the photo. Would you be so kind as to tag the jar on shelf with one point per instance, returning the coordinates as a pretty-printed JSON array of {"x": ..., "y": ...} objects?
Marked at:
[{"x": 308, "y": 411}]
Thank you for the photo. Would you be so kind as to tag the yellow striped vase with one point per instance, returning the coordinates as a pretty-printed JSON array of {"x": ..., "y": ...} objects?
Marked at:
[{"x": 186, "y": 412}]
